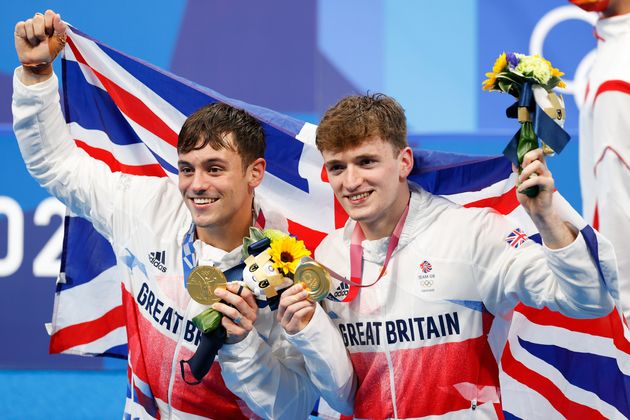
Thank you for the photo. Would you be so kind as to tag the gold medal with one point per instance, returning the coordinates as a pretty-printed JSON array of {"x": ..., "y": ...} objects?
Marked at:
[
  {"x": 202, "y": 282},
  {"x": 315, "y": 277}
]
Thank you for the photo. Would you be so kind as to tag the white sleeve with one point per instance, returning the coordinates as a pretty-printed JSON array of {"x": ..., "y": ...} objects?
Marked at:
[
  {"x": 269, "y": 376},
  {"x": 565, "y": 280},
  {"x": 327, "y": 361},
  {"x": 83, "y": 184},
  {"x": 611, "y": 125}
]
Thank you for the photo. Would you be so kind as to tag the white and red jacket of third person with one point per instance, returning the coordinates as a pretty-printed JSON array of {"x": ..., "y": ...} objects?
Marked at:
[
  {"x": 143, "y": 217},
  {"x": 425, "y": 339},
  {"x": 605, "y": 144}
]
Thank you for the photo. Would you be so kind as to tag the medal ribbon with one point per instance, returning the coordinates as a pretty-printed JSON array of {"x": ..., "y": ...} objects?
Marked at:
[
  {"x": 189, "y": 259},
  {"x": 210, "y": 343},
  {"x": 356, "y": 259}
]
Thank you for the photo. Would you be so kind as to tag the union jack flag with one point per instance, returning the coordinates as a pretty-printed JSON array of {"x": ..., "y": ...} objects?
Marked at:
[
  {"x": 516, "y": 238},
  {"x": 126, "y": 113},
  {"x": 425, "y": 266}
]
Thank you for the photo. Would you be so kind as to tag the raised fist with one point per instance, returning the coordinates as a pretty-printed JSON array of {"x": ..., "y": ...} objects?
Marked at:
[{"x": 39, "y": 40}]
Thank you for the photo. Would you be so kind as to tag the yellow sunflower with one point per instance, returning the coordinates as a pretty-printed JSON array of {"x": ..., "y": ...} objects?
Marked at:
[
  {"x": 286, "y": 253},
  {"x": 499, "y": 65},
  {"x": 556, "y": 73},
  {"x": 489, "y": 82}
]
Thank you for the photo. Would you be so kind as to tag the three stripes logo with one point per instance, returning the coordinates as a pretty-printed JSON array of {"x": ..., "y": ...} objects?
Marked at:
[
  {"x": 341, "y": 291},
  {"x": 158, "y": 260}
]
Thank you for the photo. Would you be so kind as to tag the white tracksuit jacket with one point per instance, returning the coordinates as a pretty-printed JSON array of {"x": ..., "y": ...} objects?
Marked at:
[
  {"x": 425, "y": 339},
  {"x": 605, "y": 144},
  {"x": 142, "y": 215}
]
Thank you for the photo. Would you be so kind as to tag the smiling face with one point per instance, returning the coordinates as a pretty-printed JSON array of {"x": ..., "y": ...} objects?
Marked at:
[
  {"x": 370, "y": 182},
  {"x": 218, "y": 191}
]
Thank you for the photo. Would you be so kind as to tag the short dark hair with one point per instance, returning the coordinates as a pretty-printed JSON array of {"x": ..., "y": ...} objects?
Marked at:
[
  {"x": 210, "y": 124},
  {"x": 356, "y": 118}
]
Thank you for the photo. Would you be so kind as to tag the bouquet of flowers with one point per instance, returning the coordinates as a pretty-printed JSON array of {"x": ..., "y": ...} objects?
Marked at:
[
  {"x": 531, "y": 80},
  {"x": 512, "y": 70}
]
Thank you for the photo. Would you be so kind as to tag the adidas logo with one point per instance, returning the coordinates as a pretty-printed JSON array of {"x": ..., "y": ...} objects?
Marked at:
[
  {"x": 158, "y": 259},
  {"x": 341, "y": 291}
]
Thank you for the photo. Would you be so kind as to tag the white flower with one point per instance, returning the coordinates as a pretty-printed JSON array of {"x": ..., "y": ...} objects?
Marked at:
[{"x": 534, "y": 66}]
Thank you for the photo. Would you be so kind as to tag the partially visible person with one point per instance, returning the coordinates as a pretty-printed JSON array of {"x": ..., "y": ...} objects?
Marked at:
[
  {"x": 426, "y": 337},
  {"x": 605, "y": 135},
  {"x": 221, "y": 161}
]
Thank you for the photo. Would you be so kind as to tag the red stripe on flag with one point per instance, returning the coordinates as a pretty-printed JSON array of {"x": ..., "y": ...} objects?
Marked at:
[
  {"x": 115, "y": 166},
  {"x": 534, "y": 380},
  {"x": 311, "y": 237},
  {"x": 86, "y": 332},
  {"x": 341, "y": 217},
  {"x": 610, "y": 326},
  {"x": 131, "y": 106},
  {"x": 504, "y": 204}
]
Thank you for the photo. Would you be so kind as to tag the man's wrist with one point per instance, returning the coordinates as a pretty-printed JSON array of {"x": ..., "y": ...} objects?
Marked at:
[
  {"x": 33, "y": 74},
  {"x": 556, "y": 233}
]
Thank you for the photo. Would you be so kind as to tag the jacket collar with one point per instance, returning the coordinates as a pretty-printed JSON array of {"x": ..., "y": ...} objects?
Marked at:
[{"x": 421, "y": 215}]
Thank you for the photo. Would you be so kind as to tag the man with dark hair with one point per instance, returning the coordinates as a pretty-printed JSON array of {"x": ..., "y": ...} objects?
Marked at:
[
  {"x": 427, "y": 323},
  {"x": 220, "y": 161},
  {"x": 208, "y": 125}
]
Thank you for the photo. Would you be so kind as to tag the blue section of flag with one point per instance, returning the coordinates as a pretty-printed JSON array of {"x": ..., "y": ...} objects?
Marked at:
[
  {"x": 93, "y": 109},
  {"x": 510, "y": 416},
  {"x": 84, "y": 244},
  {"x": 450, "y": 173},
  {"x": 585, "y": 370},
  {"x": 119, "y": 352}
]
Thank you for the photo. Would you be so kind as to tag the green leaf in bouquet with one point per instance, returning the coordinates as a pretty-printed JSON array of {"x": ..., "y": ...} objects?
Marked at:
[
  {"x": 552, "y": 83},
  {"x": 505, "y": 86},
  {"x": 247, "y": 241},
  {"x": 513, "y": 78},
  {"x": 255, "y": 235}
]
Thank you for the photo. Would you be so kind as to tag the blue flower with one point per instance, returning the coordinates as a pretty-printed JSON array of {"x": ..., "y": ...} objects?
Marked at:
[{"x": 512, "y": 60}]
